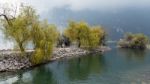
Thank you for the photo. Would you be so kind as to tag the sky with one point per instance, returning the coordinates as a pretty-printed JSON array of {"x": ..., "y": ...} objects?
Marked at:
[
  {"x": 79, "y": 5},
  {"x": 46, "y": 6}
]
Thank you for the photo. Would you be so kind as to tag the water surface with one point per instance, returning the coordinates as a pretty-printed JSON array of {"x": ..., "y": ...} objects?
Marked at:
[{"x": 118, "y": 66}]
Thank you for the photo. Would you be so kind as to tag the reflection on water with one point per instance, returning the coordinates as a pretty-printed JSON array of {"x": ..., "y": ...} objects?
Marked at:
[
  {"x": 118, "y": 66},
  {"x": 81, "y": 68},
  {"x": 137, "y": 55}
]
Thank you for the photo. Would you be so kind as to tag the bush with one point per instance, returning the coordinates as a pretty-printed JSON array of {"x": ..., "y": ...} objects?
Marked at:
[{"x": 130, "y": 40}]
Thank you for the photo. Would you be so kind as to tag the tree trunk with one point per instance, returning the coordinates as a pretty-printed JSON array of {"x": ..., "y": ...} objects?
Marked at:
[
  {"x": 21, "y": 47},
  {"x": 79, "y": 43}
]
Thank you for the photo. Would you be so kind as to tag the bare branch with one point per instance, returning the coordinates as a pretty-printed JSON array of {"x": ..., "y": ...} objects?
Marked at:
[
  {"x": 8, "y": 20},
  {"x": 8, "y": 13}
]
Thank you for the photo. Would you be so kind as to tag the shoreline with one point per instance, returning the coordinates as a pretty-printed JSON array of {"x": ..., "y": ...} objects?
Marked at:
[{"x": 12, "y": 61}]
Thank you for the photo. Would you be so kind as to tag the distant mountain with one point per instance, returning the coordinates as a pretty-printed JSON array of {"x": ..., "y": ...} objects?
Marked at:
[{"x": 116, "y": 22}]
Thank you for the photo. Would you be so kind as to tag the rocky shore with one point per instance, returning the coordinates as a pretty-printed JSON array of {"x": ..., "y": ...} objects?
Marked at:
[{"x": 12, "y": 60}]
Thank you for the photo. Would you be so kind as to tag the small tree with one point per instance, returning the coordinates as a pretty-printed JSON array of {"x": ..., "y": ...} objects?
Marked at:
[
  {"x": 85, "y": 35},
  {"x": 44, "y": 37},
  {"x": 97, "y": 36},
  {"x": 78, "y": 32}
]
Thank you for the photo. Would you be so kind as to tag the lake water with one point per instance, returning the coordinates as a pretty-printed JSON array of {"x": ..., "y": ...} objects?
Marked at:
[{"x": 118, "y": 66}]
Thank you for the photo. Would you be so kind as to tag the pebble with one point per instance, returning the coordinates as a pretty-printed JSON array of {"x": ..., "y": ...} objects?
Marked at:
[{"x": 13, "y": 61}]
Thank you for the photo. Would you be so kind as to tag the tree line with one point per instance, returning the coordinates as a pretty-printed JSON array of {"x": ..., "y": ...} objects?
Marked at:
[{"x": 26, "y": 28}]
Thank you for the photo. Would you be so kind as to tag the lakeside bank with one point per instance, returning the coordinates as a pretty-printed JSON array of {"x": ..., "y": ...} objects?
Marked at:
[{"x": 12, "y": 60}]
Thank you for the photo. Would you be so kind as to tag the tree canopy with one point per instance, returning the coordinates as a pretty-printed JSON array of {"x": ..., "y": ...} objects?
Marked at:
[
  {"x": 130, "y": 40},
  {"x": 26, "y": 27},
  {"x": 84, "y": 35},
  {"x": 44, "y": 37},
  {"x": 19, "y": 28}
]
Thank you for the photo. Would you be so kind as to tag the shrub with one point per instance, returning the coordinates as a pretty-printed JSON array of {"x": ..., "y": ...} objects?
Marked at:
[{"x": 130, "y": 40}]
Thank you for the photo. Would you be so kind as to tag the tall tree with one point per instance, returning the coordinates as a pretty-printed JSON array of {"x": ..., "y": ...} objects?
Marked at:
[
  {"x": 26, "y": 27},
  {"x": 18, "y": 29}
]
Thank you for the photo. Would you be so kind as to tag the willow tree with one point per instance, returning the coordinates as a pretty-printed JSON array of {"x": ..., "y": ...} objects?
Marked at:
[
  {"x": 18, "y": 29},
  {"x": 78, "y": 32},
  {"x": 84, "y": 35},
  {"x": 44, "y": 37},
  {"x": 26, "y": 27},
  {"x": 97, "y": 36}
]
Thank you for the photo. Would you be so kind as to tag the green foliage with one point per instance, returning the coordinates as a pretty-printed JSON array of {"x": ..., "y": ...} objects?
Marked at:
[
  {"x": 97, "y": 36},
  {"x": 37, "y": 56},
  {"x": 134, "y": 41},
  {"x": 19, "y": 30},
  {"x": 84, "y": 35},
  {"x": 78, "y": 32},
  {"x": 44, "y": 37},
  {"x": 27, "y": 27}
]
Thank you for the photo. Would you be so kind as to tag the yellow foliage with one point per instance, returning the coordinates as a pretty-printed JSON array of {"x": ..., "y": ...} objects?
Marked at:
[
  {"x": 19, "y": 30},
  {"x": 27, "y": 27},
  {"x": 38, "y": 56},
  {"x": 96, "y": 35},
  {"x": 130, "y": 40},
  {"x": 44, "y": 38},
  {"x": 84, "y": 35}
]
